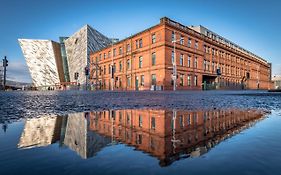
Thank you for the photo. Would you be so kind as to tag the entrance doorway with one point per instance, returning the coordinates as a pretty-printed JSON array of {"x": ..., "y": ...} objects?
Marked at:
[{"x": 208, "y": 82}]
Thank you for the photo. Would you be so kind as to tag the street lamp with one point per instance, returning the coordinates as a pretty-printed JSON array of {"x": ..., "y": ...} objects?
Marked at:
[
  {"x": 174, "y": 62},
  {"x": 5, "y": 65}
]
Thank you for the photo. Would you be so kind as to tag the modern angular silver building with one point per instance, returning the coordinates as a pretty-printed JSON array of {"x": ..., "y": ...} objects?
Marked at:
[
  {"x": 43, "y": 58},
  {"x": 54, "y": 64},
  {"x": 78, "y": 49}
]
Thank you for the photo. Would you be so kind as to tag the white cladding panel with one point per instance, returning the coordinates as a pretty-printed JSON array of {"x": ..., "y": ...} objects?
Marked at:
[{"x": 41, "y": 61}]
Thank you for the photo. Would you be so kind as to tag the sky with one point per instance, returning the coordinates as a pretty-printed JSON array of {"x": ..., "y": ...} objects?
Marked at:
[{"x": 253, "y": 24}]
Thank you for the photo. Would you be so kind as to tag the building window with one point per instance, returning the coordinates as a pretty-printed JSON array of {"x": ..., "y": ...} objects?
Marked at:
[
  {"x": 140, "y": 62},
  {"x": 195, "y": 80},
  {"x": 153, "y": 79},
  {"x": 173, "y": 36},
  {"x": 100, "y": 70},
  {"x": 120, "y": 116},
  {"x": 109, "y": 54},
  {"x": 104, "y": 56},
  {"x": 120, "y": 82},
  {"x": 189, "y": 119},
  {"x": 205, "y": 48},
  {"x": 188, "y": 80},
  {"x": 153, "y": 123},
  {"x": 196, "y": 44},
  {"x": 153, "y": 59},
  {"x": 173, "y": 57},
  {"x": 128, "y": 64},
  {"x": 195, "y": 62},
  {"x": 142, "y": 80},
  {"x": 181, "y": 121},
  {"x": 109, "y": 69},
  {"x": 128, "y": 48},
  {"x": 114, "y": 52},
  {"x": 205, "y": 64},
  {"x": 140, "y": 121},
  {"x": 153, "y": 38},
  {"x": 120, "y": 50},
  {"x": 181, "y": 60},
  {"x": 114, "y": 68},
  {"x": 181, "y": 80},
  {"x": 137, "y": 44},
  {"x": 140, "y": 43},
  {"x": 189, "y": 42},
  {"x": 128, "y": 81},
  {"x": 182, "y": 40},
  {"x": 120, "y": 66},
  {"x": 128, "y": 119},
  {"x": 104, "y": 70},
  {"x": 188, "y": 61}
]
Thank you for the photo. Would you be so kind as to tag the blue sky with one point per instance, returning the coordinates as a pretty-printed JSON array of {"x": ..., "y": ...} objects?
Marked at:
[{"x": 253, "y": 24}]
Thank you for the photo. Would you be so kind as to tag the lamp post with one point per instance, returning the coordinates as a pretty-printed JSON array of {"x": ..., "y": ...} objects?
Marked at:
[
  {"x": 112, "y": 68},
  {"x": 5, "y": 65},
  {"x": 174, "y": 62}
]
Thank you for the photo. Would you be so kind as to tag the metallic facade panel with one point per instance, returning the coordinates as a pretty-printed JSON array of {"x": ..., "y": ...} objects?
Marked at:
[
  {"x": 44, "y": 61},
  {"x": 78, "y": 49}
]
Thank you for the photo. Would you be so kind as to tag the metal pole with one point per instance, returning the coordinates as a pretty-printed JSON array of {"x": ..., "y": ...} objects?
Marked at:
[
  {"x": 174, "y": 64},
  {"x": 5, "y": 65},
  {"x": 112, "y": 74}
]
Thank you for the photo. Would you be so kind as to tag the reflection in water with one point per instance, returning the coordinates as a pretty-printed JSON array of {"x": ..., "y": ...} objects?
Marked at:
[
  {"x": 40, "y": 131},
  {"x": 5, "y": 127},
  {"x": 168, "y": 135}
]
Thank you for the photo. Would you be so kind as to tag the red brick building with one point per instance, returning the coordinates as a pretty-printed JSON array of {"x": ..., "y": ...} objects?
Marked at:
[
  {"x": 203, "y": 60},
  {"x": 167, "y": 134}
]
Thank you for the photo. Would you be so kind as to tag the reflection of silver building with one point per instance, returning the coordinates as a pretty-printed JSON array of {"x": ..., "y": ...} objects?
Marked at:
[
  {"x": 41, "y": 131},
  {"x": 72, "y": 131},
  {"x": 80, "y": 139},
  {"x": 78, "y": 49},
  {"x": 43, "y": 58}
]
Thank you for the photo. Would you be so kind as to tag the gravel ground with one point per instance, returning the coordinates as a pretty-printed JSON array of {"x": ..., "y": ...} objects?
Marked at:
[{"x": 16, "y": 105}]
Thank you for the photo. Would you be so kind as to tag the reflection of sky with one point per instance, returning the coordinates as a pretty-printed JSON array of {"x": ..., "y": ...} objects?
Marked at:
[{"x": 251, "y": 24}]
